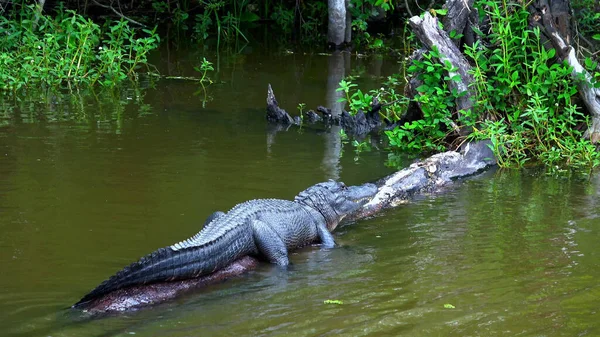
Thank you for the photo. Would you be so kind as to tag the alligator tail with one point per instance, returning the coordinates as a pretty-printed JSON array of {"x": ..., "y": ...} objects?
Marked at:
[{"x": 181, "y": 261}]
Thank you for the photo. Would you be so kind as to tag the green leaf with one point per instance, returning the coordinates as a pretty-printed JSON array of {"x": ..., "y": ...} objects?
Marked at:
[
  {"x": 249, "y": 17},
  {"x": 338, "y": 302},
  {"x": 423, "y": 88},
  {"x": 449, "y": 306},
  {"x": 515, "y": 75},
  {"x": 596, "y": 37}
]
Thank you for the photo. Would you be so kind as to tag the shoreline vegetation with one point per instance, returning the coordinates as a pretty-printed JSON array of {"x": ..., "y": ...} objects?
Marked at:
[{"x": 524, "y": 76}]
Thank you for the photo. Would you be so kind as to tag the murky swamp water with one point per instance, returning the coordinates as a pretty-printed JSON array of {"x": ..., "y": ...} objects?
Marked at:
[{"x": 501, "y": 254}]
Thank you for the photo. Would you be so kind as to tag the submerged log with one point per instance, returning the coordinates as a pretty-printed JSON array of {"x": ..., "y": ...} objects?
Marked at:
[
  {"x": 427, "y": 176},
  {"x": 275, "y": 114},
  {"x": 430, "y": 175},
  {"x": 137, "y": 297},
  {"x": 356, "y": 125}
]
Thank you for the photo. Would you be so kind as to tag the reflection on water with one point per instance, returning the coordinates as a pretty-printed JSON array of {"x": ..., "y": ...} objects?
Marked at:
[{"x": 515, "y": 253}]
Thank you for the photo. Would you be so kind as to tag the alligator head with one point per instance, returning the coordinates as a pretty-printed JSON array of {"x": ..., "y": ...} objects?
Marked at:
[{"x": 334, "y": 200}]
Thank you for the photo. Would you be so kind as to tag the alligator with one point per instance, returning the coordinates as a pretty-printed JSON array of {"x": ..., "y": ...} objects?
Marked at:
[{"x": 263, "y": 228}]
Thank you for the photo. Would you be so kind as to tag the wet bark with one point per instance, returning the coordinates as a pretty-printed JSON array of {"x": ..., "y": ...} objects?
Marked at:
[
  {"x": 431, "y": 175},
  {"x": 275, "y": 114},
  {"x": 348, "y": 35},
  {"x": 356, "y": 126},
  {"x": 458, "y": 14}
]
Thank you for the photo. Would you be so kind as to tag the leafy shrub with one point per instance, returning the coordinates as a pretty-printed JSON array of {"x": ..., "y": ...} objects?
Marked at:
[{"x": 68, "y": 48}]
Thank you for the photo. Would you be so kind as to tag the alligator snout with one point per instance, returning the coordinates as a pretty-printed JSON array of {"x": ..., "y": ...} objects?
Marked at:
[{"x": 362, "y": 193}]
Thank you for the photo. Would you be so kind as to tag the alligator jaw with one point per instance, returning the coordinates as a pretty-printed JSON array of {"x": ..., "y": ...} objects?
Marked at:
[{"x": 361, "y": 194}]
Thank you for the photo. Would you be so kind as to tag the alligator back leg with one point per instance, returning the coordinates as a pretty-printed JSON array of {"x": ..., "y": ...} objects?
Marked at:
[{"x": 269, "y": 243}]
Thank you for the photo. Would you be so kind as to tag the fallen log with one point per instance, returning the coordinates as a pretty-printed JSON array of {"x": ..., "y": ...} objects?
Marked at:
[
  {"x": 427, "y": 176},
  {"x": 430, "y": 175},
  {"x": 138, "y": 297},
  {"x": 356, "y": 125}
]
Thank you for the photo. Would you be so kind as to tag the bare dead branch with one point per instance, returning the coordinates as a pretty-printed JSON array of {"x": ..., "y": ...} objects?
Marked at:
[{"x": 119, "y": 14}]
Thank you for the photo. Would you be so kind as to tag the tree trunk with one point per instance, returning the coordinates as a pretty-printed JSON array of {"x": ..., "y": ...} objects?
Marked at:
[
  {"x": 348, "y": 38},
  {"x": 336, "y": 29}
]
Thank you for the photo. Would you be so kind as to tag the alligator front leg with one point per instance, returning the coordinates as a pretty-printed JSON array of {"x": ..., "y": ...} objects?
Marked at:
[
  {"x": 325, "y": 236},
  {"x": 269, "y": 243}
]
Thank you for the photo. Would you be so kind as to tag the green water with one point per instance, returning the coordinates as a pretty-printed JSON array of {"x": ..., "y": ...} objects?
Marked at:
[{"x": 87, "y": 185}]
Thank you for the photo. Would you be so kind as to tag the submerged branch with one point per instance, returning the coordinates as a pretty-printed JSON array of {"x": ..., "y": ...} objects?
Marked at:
[{"x": 119, "y": 14}]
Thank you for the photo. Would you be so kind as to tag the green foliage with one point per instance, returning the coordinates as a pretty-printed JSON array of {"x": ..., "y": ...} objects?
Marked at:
[
  {"x": 361, "y": 146},
  {"x": 284, "y": 18},
  {"x": 362, "y": 11},
  {"x": 524, "y": 104},
  {"x": 437, "y": 105},
  {"x": 532, "y": 97},
  {"x": 38, "y": 49},
  {"x": 204, "y": 68},
  {"x": 587, "y": 17},
  {"x": 395, "y": 160},
  {"x": 227, "y": 21},
  {"x": 301, "y": 107},
  {"x": 95, "y": 106},
  {"x": 592, "y": 66},
  {"x": 357, "y": 101},
  {"x": 312, "y": 19}
]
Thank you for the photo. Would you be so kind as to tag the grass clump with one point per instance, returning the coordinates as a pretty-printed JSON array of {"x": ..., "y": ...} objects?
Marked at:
[{"x": 67, "y": 48}]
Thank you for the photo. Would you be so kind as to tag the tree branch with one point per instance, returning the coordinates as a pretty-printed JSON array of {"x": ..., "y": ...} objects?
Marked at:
[
  {"x": 118, "y": 13},
  {"x": 430, "y": 34},
  {"x": 590, "y": 95}
]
